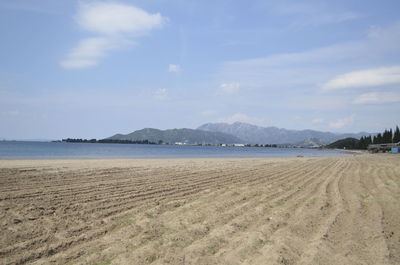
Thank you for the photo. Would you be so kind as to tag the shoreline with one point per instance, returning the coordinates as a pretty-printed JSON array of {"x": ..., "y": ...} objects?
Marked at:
[
  {"x": 338, "y": 154},
  {"x": 120, "y": 161}
]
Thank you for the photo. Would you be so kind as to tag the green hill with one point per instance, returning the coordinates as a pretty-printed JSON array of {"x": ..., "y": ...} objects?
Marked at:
[{"x": 347, "y": 143}]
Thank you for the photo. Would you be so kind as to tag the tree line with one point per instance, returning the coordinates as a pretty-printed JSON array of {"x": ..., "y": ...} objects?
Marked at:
[
  {"x": 107, "y": 141},
  {"x": 388, "y": 136}
]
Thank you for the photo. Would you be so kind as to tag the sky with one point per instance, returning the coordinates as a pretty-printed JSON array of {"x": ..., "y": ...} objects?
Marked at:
[{"x": 90, "y": 69}]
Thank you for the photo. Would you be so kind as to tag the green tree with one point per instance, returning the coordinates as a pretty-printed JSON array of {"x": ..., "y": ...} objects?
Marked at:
[
  {"x": 387, "y": 136},
  {"x": 369, "y": 140},
  {"x": 378, "y": 139},
  {"x": 362, "y": 143},
  {"x": 396, "y": 136}
]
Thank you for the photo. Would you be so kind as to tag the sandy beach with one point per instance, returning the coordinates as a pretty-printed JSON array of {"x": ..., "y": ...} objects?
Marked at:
[{"x": 319, "y": 210}]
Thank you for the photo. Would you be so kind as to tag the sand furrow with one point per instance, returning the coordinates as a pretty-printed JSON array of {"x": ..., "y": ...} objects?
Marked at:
[{"x": 326, "y": 210}]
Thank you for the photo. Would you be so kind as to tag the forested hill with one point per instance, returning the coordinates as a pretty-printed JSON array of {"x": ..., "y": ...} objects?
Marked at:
[
  {"x": 187, "y": 136},
  {"x": 348, "y": 143}
]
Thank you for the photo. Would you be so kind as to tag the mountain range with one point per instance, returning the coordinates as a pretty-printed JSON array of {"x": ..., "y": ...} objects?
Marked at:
[
  {"x": 187, "y": 136},
  {"x": 253, "y": 134},
  {"x": 238, "y": 132}
]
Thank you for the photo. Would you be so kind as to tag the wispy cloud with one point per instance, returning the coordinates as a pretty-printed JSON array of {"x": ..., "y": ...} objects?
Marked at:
[
  {"x": 117, "y": 25},
  {"x": 161, "y": 94},
  {"x": 377, "y": 98},
  {"x": 294, "y": 80},
  {"x": 287, "y": 69},
  {"x": 9, "y": 113},
  {"x": 89, "y": 51},
  {"x": 365, "y": 78},
  {"x": 312, "y": 67},
  {"x": 318, "y": 19},
  {"x": 307, "y": 13},
  {"x": 341, "y": 123},
  {"x": 174, "y": 68},
  {"x": 228, "y": 88}
]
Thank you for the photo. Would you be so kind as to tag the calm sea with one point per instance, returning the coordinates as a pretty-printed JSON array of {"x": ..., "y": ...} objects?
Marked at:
[{"x": 19, "y": 149}]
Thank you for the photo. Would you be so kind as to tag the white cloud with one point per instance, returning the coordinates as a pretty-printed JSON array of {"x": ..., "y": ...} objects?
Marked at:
[
  {"x": 240, "y": 117},
  {"x": 365, "y": 78},
  {"x": 161, "y": 94},
  {"x": 174, "y": 68},
  {"x": 112, "y": 18},
  {"x": 116, "y": 23},
  {"x": 377, "y": 98},
  {"x": 89, "y": 51},
  {"x": 228, "y": 88},
  {"x": 340, "y": 123}
]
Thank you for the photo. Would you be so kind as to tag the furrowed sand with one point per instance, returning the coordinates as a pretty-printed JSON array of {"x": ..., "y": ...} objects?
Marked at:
[{"x": 321, "y": 210}]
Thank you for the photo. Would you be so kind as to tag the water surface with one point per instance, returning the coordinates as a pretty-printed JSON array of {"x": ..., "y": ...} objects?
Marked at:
[{"x": 48, "y": 150}]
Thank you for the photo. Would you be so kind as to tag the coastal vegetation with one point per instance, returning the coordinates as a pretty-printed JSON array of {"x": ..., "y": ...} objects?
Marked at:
[
  {"x": 107, "y": 141},
  {"x": 388, "y": 136}
]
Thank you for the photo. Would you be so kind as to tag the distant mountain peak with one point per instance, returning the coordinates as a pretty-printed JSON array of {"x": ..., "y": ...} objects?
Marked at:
[{"x": 255, "y": 134}]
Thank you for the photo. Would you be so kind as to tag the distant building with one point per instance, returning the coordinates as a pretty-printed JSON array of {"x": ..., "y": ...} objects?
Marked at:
[{"x": 375, "y": 148}]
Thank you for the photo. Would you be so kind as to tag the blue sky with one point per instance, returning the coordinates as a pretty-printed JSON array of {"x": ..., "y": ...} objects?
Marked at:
[{"x": 90, "y": 69}]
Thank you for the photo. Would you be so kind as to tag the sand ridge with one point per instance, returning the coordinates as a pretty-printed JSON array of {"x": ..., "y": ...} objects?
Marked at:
[{"x": 322, "y": 210}]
